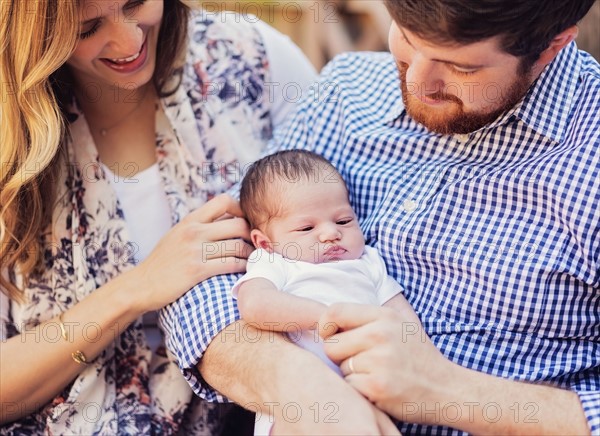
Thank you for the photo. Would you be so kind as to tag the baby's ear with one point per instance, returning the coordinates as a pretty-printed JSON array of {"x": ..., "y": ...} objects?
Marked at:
[{"x": 260, "y": 240}]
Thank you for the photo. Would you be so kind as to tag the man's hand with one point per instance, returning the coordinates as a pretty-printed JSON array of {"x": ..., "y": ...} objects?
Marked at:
[
  {"x": 386, "y": 355},
  {"x": 393, "y": 360}
]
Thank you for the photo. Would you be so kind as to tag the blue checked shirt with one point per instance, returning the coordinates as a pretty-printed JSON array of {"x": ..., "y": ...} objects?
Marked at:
[{"x": 495, "y": 235}]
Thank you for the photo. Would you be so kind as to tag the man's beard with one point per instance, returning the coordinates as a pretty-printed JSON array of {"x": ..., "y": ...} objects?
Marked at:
[{"x": 452, "y": 118}]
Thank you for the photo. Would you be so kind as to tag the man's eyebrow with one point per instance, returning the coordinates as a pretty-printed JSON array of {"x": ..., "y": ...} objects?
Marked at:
[{"x": 444, "y": 61}]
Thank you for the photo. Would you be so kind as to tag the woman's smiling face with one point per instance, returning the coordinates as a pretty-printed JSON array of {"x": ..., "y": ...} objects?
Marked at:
[{"x": 117, "y": 43}]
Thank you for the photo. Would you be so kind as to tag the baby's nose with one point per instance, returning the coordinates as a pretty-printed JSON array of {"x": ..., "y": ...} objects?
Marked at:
[{"x": 330, "y": 233}]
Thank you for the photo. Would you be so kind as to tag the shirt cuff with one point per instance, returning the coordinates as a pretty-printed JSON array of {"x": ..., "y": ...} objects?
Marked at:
[
  {"x": 590, "y": 401},
  {"x": 191, "y": 323}
]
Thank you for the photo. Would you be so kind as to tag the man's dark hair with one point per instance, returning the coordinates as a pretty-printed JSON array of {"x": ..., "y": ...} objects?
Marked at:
[
  {"x": 526, "y": 27},
  {"x": 259, "y": 196}
]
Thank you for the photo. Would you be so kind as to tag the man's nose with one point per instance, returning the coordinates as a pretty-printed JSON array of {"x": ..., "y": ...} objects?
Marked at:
[{"x": 424, "y": 76}]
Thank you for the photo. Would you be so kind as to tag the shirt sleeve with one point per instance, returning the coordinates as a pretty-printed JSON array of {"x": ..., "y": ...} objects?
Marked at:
[
  {"x": 191, "y": 323},
  {"x": 387, "y": 286},
  {"x": 264, "y": 265},
  {"x": 590, "y": 402}
]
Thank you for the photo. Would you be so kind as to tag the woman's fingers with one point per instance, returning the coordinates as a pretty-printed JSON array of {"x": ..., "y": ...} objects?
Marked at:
[
  {"x": 214, "y": 209},
  {"x": 221, "y": 230},
  {"x": 236, "y": 248}
]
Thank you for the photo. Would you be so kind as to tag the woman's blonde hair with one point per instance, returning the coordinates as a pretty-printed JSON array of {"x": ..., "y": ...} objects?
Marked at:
[{"x": 36, "y": 40}]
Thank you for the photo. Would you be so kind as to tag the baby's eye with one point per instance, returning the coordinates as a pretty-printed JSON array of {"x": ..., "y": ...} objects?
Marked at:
[
  {"x": 305, "y": 229},
  {"x": 344, "y": 221}
]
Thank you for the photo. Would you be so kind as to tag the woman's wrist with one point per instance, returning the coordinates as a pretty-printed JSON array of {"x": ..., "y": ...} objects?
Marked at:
[{"x": 126, "y": 290}]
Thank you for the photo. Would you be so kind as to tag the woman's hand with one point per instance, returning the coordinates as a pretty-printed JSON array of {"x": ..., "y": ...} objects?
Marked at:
[{"x": 207, "y": 242}]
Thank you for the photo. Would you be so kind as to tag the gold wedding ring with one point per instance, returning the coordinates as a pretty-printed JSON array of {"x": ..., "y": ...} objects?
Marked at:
[{"x": 351, "y": 365}]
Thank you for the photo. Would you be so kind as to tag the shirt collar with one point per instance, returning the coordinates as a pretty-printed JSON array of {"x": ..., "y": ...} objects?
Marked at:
[
  {"x": 545, "y": 107},
  {"x": 398, "y": 108}
]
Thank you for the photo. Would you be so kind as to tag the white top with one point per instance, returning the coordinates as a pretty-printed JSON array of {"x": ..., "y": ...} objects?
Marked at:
[
  {"x": 145, "y": 205},
  {"x": 363, "y": 281}
]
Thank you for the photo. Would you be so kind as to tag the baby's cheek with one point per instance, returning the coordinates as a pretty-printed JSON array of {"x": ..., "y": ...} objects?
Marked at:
[{"x": 357, "y": 251}]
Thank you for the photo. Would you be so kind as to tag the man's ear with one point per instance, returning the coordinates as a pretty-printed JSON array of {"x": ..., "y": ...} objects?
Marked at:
[
  {"x": 261, "y": 240},
  {"x": 556, "y": 45}
]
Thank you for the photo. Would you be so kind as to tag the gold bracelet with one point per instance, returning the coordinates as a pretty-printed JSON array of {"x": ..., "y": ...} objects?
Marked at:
[
  {"x": 79, "y": 357},
  {"x": 63, "y": 330}
]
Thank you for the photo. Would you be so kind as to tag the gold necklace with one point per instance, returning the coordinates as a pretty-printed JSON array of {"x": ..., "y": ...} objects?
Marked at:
[{"x": 104, "y": 130}]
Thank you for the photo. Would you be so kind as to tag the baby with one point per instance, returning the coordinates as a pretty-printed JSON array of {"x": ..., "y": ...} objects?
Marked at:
[{"x": 310, "y": 249}]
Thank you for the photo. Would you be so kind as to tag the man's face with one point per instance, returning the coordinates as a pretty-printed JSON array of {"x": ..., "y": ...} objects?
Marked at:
[{"x": 456, "y": 89}]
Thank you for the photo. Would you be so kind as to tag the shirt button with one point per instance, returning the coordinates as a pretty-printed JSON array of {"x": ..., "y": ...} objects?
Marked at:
[
  {"x": 410, "y": 205},
  {"x": 462, "y": 137}
]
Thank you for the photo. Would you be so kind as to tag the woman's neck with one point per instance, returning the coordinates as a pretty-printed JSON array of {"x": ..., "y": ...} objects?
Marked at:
[
  {"x": 107, "y": 107},
  {"x": 122, "y": 124}
]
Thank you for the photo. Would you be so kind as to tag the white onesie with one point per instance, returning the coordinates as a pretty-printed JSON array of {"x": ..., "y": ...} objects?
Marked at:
[{"x": 364, "y": 281}]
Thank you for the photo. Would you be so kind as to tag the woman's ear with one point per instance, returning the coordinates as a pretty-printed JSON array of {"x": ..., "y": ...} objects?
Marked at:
[
  {"x": 261, "y": 240},
  {"x": 557, "y": 44}
]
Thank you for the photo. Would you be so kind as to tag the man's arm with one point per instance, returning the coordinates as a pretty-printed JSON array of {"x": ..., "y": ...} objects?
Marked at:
[
  {"x": 224, "y": 358},
  {"x": 418, "y": 384},
  {"x": 266, "y": 373},
  {"x": 510, "y": 407}
]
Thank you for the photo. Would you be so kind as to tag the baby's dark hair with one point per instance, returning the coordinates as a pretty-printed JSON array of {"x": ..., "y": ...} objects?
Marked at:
[{"x": 258, "y": 198}]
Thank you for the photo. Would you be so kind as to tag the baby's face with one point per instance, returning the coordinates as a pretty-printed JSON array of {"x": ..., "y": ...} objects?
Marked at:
[{"x": 317, "y": 224}]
